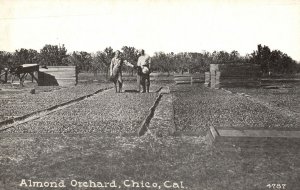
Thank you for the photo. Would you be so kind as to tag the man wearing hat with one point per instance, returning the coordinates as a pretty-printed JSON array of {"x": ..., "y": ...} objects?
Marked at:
[{"x": 143, "y": 74}]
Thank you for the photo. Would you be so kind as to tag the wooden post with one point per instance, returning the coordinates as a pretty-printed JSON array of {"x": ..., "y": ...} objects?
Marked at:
[
  {"x": 33, "y": 77},
  {"x": 76, "y": 75},
  {"x": 12, "y": 79},
  {"x": 5, "y": 75},
  {"x": 22, "y": 79}
]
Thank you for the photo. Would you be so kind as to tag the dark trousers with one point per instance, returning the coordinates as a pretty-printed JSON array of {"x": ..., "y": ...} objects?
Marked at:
[
  {"x": 118, "y": 81},
  {"x": 144, "y": 81}
]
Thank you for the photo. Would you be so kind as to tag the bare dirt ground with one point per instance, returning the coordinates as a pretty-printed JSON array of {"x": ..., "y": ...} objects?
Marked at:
[
  {"x": 280, "y": 95},
  {"x": 197, "y": 108},
  {"x": 17, "y": 101},
  {"x": 95, "y": 139},
  {"x": 106, "y": 112}
]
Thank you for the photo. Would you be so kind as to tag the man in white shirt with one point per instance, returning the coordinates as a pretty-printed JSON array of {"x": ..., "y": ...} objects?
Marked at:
[
  {"x": 143, "y": 74},
  {"x": 116, "y": 70}
]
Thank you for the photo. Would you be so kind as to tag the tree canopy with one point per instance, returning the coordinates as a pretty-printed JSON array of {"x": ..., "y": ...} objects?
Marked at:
[{"x": 273, "y": 61}]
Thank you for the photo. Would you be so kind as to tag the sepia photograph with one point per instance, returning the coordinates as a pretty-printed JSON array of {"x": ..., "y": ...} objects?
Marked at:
[{"x": 150, "y": 94}]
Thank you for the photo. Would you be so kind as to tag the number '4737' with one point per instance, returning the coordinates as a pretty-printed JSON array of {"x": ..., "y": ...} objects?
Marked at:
[{"x": 277, "y": 186}]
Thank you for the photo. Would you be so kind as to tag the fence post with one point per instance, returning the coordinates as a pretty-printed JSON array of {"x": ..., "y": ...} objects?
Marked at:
[
  {"x": 5, "y": 75},
  {"x": 76, "y": 75}
]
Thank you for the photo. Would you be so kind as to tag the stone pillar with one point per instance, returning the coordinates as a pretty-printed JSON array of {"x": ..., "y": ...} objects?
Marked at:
[
  {"x": 207, "y": 79},
  {"x": 213, "y": 71},
  {"x": 212, "y": 79},
  {"x": 217, "y": 84}
]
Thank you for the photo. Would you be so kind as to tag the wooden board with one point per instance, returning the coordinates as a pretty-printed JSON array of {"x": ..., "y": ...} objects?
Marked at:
[
  {"x": 58, "y": 75},
  {"x": 255, "y": 138},
  {"x": 189, "y": 78}
]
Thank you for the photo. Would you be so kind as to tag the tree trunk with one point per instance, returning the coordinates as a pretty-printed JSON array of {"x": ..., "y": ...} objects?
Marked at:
[{"x": 106, "y": 75}]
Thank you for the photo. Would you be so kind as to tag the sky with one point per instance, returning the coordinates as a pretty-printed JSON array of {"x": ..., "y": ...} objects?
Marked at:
[{"x": 153, "y": 25}]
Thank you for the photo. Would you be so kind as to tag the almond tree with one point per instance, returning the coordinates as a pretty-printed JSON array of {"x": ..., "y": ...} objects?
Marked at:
[
  {"x": 25, "y": 56},
  {"x": 162, "y": 62},
  {"x": 5, "y": 62},
  {"x": 82, "y": 60},
  {"x": 131, "y": 55},
  {"x": 273, "y": 61},
  {"x": 101, "y": 60},
  {"x": 5, "y": 59},
  {"x": 53, "y": 55}
]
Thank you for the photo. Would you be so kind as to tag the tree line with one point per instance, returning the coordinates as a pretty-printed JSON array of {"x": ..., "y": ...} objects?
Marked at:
[
  {"x": 56, "y": 55},
  {"x": 274, "y": 61}
]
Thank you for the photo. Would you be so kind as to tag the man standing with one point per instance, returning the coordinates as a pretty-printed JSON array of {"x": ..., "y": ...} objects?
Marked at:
[
  {"x": 143, "y": 74},
  {"x": 116, "y": 70}
]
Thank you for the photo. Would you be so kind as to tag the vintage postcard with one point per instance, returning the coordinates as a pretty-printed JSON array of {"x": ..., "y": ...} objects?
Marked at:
[{"x": 149, "y": 94}]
